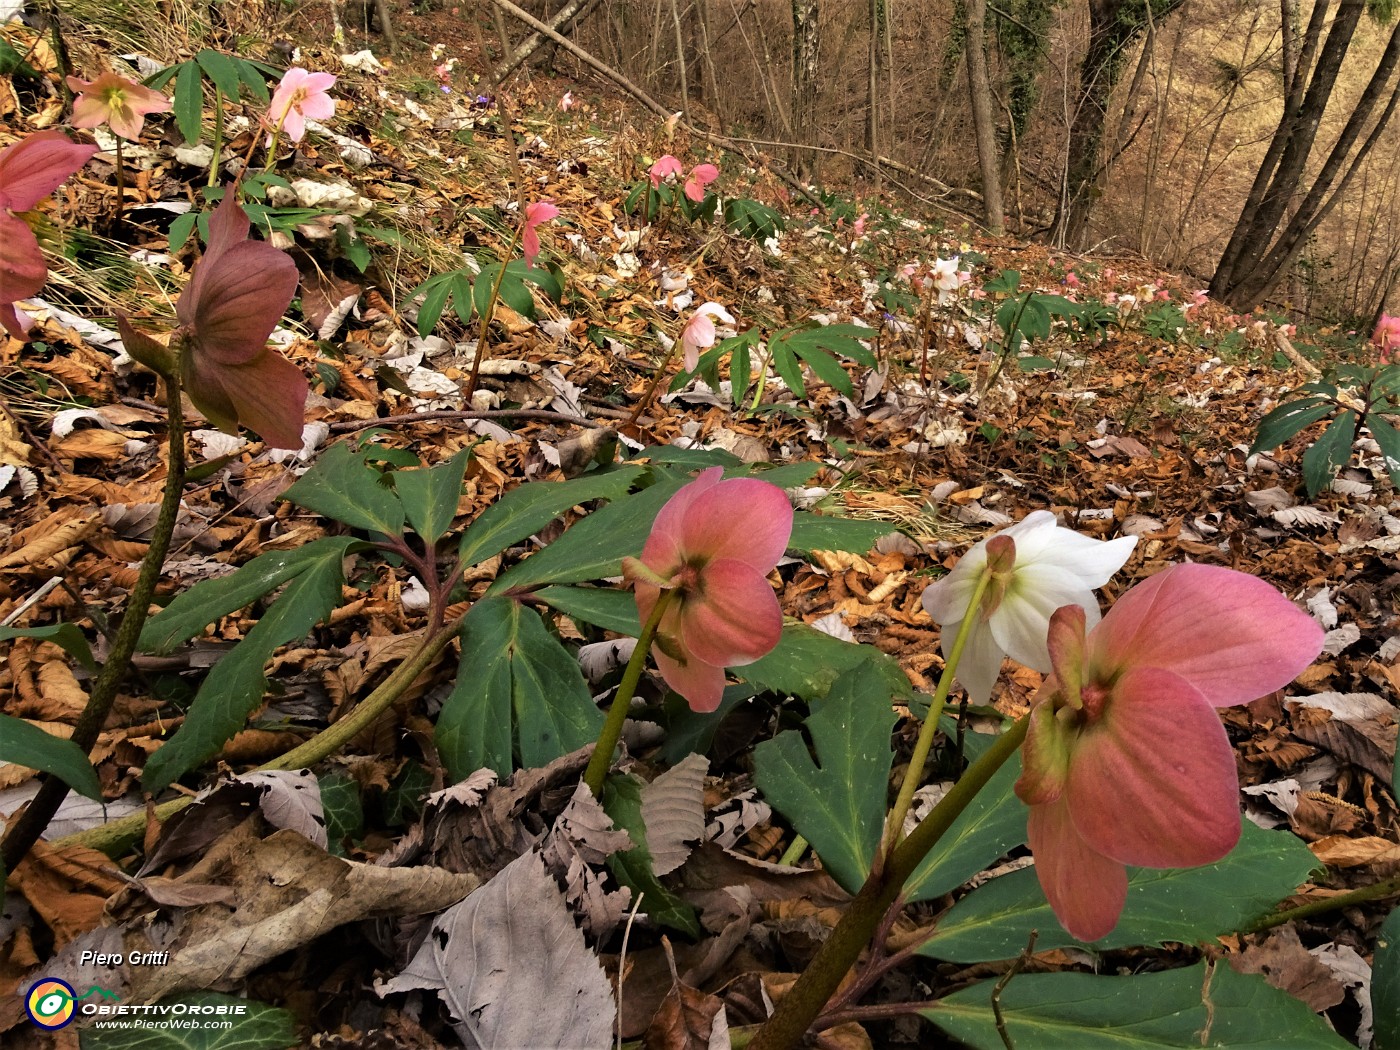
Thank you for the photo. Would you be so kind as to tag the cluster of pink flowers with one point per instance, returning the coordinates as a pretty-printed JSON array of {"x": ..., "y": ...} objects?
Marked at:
[{"x": 669, "y": 169}]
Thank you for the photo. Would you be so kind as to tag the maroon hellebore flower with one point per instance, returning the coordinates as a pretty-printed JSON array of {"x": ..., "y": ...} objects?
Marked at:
[
  {"x": 239, "y": 291},
  {"x": 30, "y": 170},
  {"x": 715, "y": 541}
]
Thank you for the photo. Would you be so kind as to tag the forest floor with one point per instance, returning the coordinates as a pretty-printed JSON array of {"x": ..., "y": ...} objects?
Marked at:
[{"x": 1135, "y": 419}]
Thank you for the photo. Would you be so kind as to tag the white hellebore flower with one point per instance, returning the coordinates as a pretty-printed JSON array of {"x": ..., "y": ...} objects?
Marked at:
[
  {"x": 947, "y": 278},
  {"x": 699, "y": 331},
  {"x": 1043, "y": 568}
]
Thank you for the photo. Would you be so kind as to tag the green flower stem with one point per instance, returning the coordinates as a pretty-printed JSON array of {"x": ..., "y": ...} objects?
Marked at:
[
  {"x": 113, "y": 837},
  {"x": 794, "y": 852},
  {"x": 331, "y": 739},
  {"x": 1386, "y": 888},
  {"x": 894, "y": 828},
  {"x": 26, "y": 830},
  {"x": 489, "y": 312},
  {"x": 804, "y": 1001},
  {"x": 617, "y": 714}
]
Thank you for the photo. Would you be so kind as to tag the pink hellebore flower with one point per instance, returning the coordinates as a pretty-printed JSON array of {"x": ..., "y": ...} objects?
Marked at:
[
  {"x": 540, "y": 211},
  {"x": 1387, "y": 338},
  {"x": 699, "y": 332},
  {"x": 1045, "y": 568},
  {"x": 117, "y": 102},
  {"x": 1125, "y": 760},
  {"x": 301, "y": 96},
  {"x": 239, "y": 291},
  {"x": 667, "y": 167},
  {"x": 30, "y": 170},
  {"x": 715, "y": 541},
  {"x": 700, "y": 176},
  {"x": 566, "y": 102}
]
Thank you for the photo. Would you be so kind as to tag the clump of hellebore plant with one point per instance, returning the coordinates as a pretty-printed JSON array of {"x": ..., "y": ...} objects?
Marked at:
[
  {"x": 702, "y": 593},
  {"x": 30, "y": 170},
  {"x": 1125, "y": 759},
  {"x": 239, "y": 291},
  {"x": 1047, "y": 567}
]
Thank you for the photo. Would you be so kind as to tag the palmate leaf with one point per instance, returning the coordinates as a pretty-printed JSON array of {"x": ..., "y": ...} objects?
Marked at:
[
  {"x": 515, "y": 682},
  {"x": 429, "y": 496},
  {"x": 1289, "y": 419},
  {"x": 815, "y": 345},
  {"x": 1385, "y": 985},
  {"x": 1191, "y": 1007},
  {"x": 195, "y": 609},
  {"x": 341, "y": 486},
  {"x": 1329, "y": 453},
  {"x": 235, "y": 686},
  {"x": 526, "y": 509},
  {"x": 1183, "y": 905},
  {"x": 837, "y": 803}
]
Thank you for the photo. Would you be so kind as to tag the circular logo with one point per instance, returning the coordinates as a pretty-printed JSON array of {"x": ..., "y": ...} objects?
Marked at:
[{"x": 50, "y": 1003}]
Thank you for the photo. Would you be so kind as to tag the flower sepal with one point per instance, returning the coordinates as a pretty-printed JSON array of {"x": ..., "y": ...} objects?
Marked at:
[{"x": 161, "y": 359}]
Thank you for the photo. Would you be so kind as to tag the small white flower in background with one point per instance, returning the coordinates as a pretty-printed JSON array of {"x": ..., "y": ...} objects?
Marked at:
[
  {"x": 1036, "y": 568},
  {"x": 947, "y": 278}
]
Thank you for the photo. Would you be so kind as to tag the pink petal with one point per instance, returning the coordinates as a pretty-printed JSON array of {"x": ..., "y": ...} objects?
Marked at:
[
  {"x": 663, "y": 551},
  {"x": 294, "y": 125},
  {"x": 1085, "y": 889},
  {"x": 530, "y": 244},
  {"x": 88, "y": 112},
  {"x": 22, "y": 268},
  {"x": 701, "y": 684},
  {"x": 318, "y": 83},
  {"x": 735, "y": 619},
  {"x": 126, "y": 122},
  {"x": 10, "y": 321},
  {"x": 1153, "y": 782},
  {"x": 317, "y": 107},
  {"x": 745, "y": 519},
  {"x": 1045, "y": 757},
  {"x": 35, "y": 166},
  {"x": 541, "y": 211},
  {"x": 271, "y": 400},
  {"x": 1230, "y": 635},
  {"x": 228, "y": 226}
]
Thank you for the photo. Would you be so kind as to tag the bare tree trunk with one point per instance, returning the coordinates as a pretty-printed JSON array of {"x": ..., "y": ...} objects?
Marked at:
[
  {"x": 681, "y": 62},
  {"x": 980, "y": 93},
  {"x": 1340, "y": 167},
  {"x": 1287, "y": 156},
  {"x": 562, "y": 23},
  {"x": 806, "y": 64},
  {"x": 1113, "y": 26}
]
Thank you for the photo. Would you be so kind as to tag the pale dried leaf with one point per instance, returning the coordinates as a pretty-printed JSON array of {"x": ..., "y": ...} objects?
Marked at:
[
  {"x": 513, "y": 968},
  {"x": 673, "y": 811},
  {"x": 291, "y": 800},
  {"x": 1335, "y": 641},
  {"x": 1322, "y": 609},
  {"x": 1304, "y": 516},
  {"x": 1266, "y": 501},
  {"x": 288, "y": 893}
]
